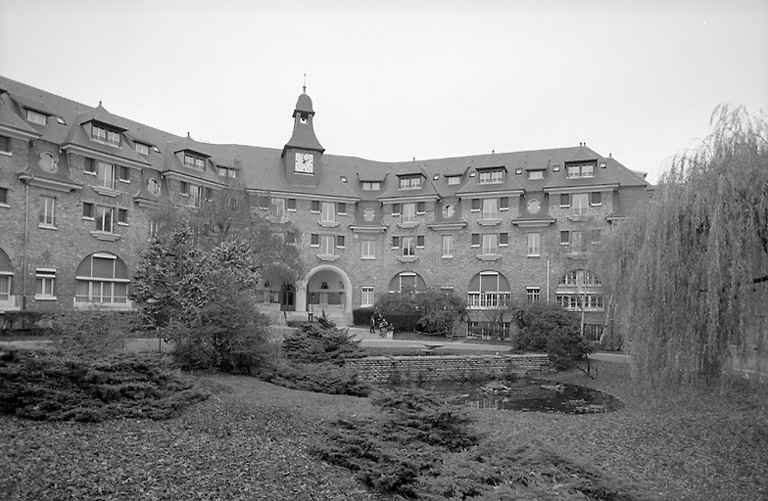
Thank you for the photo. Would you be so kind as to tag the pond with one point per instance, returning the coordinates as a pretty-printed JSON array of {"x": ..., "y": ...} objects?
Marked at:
[{"x": 532, "y": 395}]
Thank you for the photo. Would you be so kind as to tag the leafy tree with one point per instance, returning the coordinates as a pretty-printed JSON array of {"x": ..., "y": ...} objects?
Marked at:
[
  {"x": 537, "y": 322},
  {"x": 688, "y": 271},
  {"x": 432, "y": 311}
]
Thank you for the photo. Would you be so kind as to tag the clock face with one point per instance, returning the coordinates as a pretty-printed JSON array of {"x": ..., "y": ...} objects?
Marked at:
[
  {"x": 304, "y": 162},
  {"x": 448, "y": 211},
  {"x": 534, "y": 206}
]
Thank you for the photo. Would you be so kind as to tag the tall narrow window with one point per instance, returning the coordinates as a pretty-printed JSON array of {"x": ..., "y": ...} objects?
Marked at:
[
  {"x": 368, "y": 249},
  {"x": 409, "y": 212},
  {"x": 327, "y": 245},
  {"x": 409, "y": 246},
  {"x": 106, "y": 175},
  {"x": 534, "y": 244},
  {"x": 490, "y": 208},
  {"x": 367, "y": 297},
  {"x": 580, "y": 204},
  {"x": 104, "y": 219},
  {"x": 45, "y": 279},
  {"x": 447, "y": 245},
  {"x": 329, "y": 212},
  {"x": 3, "y": 196},
  {"x": 490, "y": 243},
  {"x": 47, "y": 212}
]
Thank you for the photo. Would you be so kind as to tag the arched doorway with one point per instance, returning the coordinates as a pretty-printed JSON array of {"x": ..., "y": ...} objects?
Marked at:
[
  {"x": 287, "y": 298},
  {"x": 326, "y": 288}
]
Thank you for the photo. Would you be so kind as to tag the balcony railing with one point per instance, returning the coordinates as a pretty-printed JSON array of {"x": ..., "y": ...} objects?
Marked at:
[{"x": 488, "y": 299}]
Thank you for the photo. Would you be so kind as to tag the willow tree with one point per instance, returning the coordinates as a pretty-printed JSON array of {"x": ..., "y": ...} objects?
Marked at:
[{"x": 688, "y": 270}]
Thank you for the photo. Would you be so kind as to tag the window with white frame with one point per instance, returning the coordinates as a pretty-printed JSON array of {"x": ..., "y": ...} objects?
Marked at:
[
  {"x": 327, "y": 245},
  {"x": 105, "y": 174},
  {"x": 37, "y": 117},
  {"x": 104, "y": 218},
  {"x": 491, "y": 176},
  {"x": 47, "y": 212},
  {"x": 409, "y": 212},
  {"x": 532, "y": 294},
  {"x": 368, "y": 249},
  {"x": 195, "y": 193},
  {"x": 490, "y": 244},
  {"x": 454, "y": 179},
  {"x": 490, "y": 208},
  {"x": 141, "y": 148},
  {"x": 410, "y": 182},
  {"x": 407, "y": 282},
  {"x": 488, "y": 289},
  {"x": 6, "y": 276},
  {"x": 409, "y": 246},
  {"x": 194, "y": 161},
  {"x": 367, "y": 296},
  {"x": 371, "y": 185},
  {"x": 536, "y": 174},
  {"x": 101, "y": 278},
  {"x": 580, "y": 290},
  {"x": 534, "y": 244},
  {"x": 45, "y": 279},
  {"x": 579, "y": 204},
  {"x": 581, "y": 170},
  {"x": 447, "y": 245},
  {"x": 328, "y": 213}
]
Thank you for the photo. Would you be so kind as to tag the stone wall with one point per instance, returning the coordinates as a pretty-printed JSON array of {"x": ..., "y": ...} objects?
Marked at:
[{"x": 448, "y": 367}]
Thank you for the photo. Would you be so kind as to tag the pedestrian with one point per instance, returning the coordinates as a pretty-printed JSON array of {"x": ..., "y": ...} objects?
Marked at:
[
  {"x": 383, "y": 325},
  {"x": 373, "y": 323}
]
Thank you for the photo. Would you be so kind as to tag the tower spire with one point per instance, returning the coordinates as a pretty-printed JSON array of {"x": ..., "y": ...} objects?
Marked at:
[{"x": 305, "y": 83}]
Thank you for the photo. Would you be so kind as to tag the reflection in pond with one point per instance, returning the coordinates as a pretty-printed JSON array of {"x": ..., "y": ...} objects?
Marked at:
[{"x": 526, "y": 395}]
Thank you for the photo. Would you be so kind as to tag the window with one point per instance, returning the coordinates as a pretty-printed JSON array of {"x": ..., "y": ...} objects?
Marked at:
[
  {"x": 104, "y": 218},
  {"x": 49, "y": 162},
  {"x": 395, "y": 209},
  {"x": 154, "y": 227},
  {"x": 409, "y": 246},
  {"x": 340, "y": 241},
  {"x": 5, "y": 144},
  {"x": 579, "y": 204},
  {"x": 454, "y": 179},
  {"x": 409, "y": 212},
  {"x": 153, "y": 186},
  {"x": 475, "y": 240},
  {"x": 38, "y": 118},
  {"x": 343, "y": 179},
  {"x": 565, "y": 200},
  {"x": 105, "y": 175},
  {"x": 195, "y": 195},
  {"x": 90, "y": 166},
  {"x": 490, "y": 243},
  {"x": 504, "y": 203},
  {"x": 367, "y": 297},
  {"x": 475, "y": 204},
  {"x": 47, "y": 212},
  {"x": 45, "y": 279},
  {"x": 490, "y": 208},
  {"x": 596, "y": 198},
  {"x": 421, "y": 207},
  {"x": 410, "y": 182},
  {"x": 536, "y": 174},
  {"x": 579, "y": 240},
  {"x": 491, "y": 176},
  {"x": 291, "y": 204},
  {"x": 534, "y": 244},
  {"x": 123, "y": 174},
  {"x": 122, "y": 217},
  {"x": 6, "y": 276},
  {"x": 104, "y": 135},
  {"x": 327, "y": 245},
  {"x": 141, "y": 148},
  {"x": 289, "y": 237},
  {"x": 532, "y": 294},
  {"x": 407, "y": 282},
  {"x": 395, "y": 242},
  {"x": 226, "y": 172},
  {"x": 88, "y": 210},
  {"x": 329, "y": 212},
  {"x": 447, "y": 245},
  {"x": 420, "y": 241},
  {"x": 314, "y": 240},
  {"x": 341, "y": 208},
  {"x": 278, "y": 209},
  {"x": 488, "y": 289},
  {"x": 581, "y": 170},
  {"x": 371, "y": 185},
  {"x": 315, "y": 206},
  {"x": 368, "y": 249},
  {"x": 503, "y": 239},
  {"x": 194, "y": 161},
  {"x": 101, "y": 278},
  {"x": 4, "y": 196}
]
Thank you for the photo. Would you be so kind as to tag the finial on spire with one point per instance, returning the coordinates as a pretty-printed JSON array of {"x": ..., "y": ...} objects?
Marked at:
[{"x": 305, "y": 83}]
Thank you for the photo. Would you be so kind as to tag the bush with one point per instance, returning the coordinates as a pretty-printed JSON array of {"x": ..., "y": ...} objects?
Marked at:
[
  {"x": 94, "y": 332},
  {"x": 536, "y": 322},
  {"x": 362, "y": 316},
  {"x": 314, "y": 344},
  {"x": 326, "y": 377},
  {"x": 57, "y": 387},
  {"x": 431, "y": 312},
  {"x": 23, "y": 322},
  {"x": 566, "y": 346}
]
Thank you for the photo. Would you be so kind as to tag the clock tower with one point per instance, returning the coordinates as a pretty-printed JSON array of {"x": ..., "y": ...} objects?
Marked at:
[{"x": 303, "y": 151}]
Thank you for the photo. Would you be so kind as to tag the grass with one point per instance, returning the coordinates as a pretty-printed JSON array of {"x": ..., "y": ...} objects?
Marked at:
[{"x": 251, "y": 440}]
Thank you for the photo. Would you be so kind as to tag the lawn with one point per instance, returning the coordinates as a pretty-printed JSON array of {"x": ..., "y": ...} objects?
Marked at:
[{"x": 250, "y": 440}]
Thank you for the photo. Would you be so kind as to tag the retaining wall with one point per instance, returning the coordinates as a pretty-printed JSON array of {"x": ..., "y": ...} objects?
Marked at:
[{"x": 448, "y": 367}]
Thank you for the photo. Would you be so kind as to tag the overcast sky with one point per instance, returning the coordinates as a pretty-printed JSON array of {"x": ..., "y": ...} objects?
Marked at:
[{"x": 393, "y": 80}]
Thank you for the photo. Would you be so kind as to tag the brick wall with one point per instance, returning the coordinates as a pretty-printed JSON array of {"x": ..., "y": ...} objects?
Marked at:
[{"x": 448, "y": 367}]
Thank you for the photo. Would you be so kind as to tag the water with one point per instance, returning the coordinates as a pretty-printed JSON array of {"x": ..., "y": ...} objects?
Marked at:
[{"x": 533, "y": 395}]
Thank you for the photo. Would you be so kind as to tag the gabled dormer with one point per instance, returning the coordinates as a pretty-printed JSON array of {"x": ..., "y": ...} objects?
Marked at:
[{"x": 581, "y": 164}]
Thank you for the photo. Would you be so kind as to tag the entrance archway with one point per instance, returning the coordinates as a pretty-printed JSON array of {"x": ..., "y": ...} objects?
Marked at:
[{"x": 325, "y": 287}]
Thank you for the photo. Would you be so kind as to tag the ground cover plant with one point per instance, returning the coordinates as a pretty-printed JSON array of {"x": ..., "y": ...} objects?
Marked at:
[{"x": 43, "y": 385}]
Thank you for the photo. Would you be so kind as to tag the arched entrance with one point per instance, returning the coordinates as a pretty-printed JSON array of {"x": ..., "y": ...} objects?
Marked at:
[
  {"x": 287, "y": 298},
  {"x": 326, "y": 287}
]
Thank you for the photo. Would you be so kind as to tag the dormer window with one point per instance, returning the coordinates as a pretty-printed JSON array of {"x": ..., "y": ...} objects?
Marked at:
[
  {"x": 226, "y": 172},
  {"x": 142, "y": 148},
  {"x": 580, "y": 170},
  {"x": 454, "y": 179},
  {"x": 106, "y": 136},
  {"x": 491, "y": 176},
  {"x": 194, "y": 161},
  {"x": 536, "y": 174},
  {"x": 303, "y": 117},
  {"x": 410, "y": 182},
  {"x": 371, "y": 185},
  {"x": 37, "y": 117}
]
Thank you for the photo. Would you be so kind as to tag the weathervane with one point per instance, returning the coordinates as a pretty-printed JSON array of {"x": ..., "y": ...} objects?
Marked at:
[{"x": 305, "y": 83}]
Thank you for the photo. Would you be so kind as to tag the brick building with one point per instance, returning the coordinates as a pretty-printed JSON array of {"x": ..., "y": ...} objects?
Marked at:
[{"x": 78, "y": 186}]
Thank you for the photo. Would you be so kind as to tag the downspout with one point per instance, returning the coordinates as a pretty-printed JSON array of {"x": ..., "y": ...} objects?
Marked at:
[
  {"x": 547, "y": 280},
  {"x": 26, "y": 245}
]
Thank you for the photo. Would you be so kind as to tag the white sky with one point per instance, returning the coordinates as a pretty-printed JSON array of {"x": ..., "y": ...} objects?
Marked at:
[{"x": 400, "y": 79}]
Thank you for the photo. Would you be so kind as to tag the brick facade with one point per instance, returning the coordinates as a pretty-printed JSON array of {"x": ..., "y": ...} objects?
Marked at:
[{"x": 488, "y": 204}]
